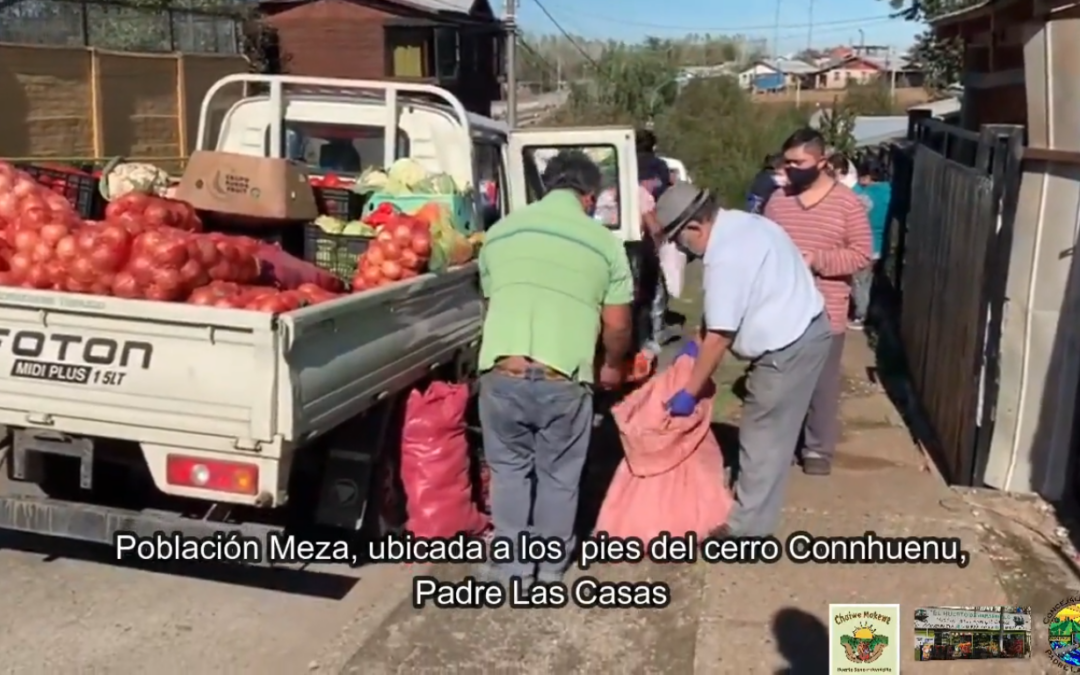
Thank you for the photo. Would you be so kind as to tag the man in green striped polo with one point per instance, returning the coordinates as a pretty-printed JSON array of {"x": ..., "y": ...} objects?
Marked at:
[{"x": 557, "y": 282}]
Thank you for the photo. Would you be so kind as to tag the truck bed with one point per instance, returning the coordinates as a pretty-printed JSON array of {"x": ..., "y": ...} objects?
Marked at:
[{"x": 222, "y": 379}]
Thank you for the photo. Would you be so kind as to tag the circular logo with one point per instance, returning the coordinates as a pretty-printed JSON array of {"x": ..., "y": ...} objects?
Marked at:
[{"x": 1063, "y": 631}]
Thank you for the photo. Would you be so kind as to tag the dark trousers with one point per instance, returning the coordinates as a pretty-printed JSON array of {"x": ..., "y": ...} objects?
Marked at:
[
  {"x": 536, "y": 434},
  {"x": 822, "y": 430}
]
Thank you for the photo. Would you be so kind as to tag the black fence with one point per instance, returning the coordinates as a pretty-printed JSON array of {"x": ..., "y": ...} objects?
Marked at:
[
  {"x": 180, "y": 27},
  {"x": 945, "y": 261}
]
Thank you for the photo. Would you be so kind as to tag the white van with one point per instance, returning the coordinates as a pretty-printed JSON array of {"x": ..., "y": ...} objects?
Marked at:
[{"x": 678, "y": 169}]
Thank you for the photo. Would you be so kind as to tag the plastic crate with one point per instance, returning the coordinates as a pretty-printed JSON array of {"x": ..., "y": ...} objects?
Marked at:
[
  {"x": 81, "y": 189},
  {"x": 461, "y": 209},
  {"x": 338, "y": 202},
  {"x": 335, "y": 253}
]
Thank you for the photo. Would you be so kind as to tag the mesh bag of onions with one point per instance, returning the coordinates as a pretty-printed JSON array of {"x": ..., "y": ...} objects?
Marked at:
[{"x": 401, "y": 250}]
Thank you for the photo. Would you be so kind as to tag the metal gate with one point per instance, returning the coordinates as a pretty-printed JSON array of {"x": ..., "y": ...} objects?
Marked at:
[{"x": 951, "y": 275}]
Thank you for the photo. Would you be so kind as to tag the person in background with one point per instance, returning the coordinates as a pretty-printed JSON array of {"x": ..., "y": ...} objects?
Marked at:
[
  {"x": 829, "y": 225},
  {"x": 876, "y": 194},
  {"x": 767, "y": 181},
  {"x": 762, "y": 304},
  {"x": 645, "y": 142},
  {"x": 556, "y": 283},
  {"x": 651, "y": 183},
  {"x": 841, "y": 170}
]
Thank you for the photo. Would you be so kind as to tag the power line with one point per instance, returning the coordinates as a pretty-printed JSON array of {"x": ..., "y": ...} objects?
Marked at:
[
  {"x": 567, "y": 35},
  {"x": 552, "y": 70},
  {"x": 727, "y": 29}
]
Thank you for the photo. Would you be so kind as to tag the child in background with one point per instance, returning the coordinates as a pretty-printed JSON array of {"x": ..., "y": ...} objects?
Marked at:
[{"x": 876, "y": 194}]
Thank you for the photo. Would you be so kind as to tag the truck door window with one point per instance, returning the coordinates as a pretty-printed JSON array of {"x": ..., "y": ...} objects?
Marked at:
[
  {"x": 342, "y": 149},
  {"x": 491, "y": 175},
  {"x": 606, "y": 157}
]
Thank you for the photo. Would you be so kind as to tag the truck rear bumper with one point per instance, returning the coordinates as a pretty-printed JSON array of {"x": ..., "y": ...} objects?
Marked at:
[{"x": 100, "y": 524}]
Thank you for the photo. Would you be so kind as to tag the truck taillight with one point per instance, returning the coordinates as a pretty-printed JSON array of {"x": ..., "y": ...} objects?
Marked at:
[{"x": 209, "y": 474}]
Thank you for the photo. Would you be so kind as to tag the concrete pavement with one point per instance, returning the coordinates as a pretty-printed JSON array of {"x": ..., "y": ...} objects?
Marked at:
[
  {"x": 66, "y": 610},
  {"x": 738, "y": 618}
]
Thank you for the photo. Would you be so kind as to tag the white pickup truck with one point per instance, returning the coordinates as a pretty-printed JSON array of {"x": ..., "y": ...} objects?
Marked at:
[{"x": 122, "y": 415}]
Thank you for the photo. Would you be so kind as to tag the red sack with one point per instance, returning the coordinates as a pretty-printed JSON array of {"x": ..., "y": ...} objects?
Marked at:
[
  {"x": 435, "y": 463},
  {"x": 289, "y": 272},
  {"x": 673, "y": 476}
]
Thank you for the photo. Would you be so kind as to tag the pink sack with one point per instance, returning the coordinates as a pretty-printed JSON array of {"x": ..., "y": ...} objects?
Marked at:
[
  {"x": 288, "y": 272},
  {"x": 435, "y": 463},
  {"x": 673, "y": 476}
]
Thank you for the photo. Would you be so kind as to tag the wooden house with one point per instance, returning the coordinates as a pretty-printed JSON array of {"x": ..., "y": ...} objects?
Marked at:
[{"x": 455, "y": 44}]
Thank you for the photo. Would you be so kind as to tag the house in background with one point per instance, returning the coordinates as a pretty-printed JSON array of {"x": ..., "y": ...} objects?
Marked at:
[
  {"x": 774, "y": 75},
  {"x": 863, "y": 69},
  {"x": 454, "y": 44}
]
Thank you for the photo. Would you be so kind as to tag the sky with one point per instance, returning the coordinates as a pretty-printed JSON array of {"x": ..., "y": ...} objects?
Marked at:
[{"x": 822, "y": 23}]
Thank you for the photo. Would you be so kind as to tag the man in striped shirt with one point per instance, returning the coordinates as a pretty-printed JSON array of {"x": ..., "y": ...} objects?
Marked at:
[{"x": 828, "y": 223}]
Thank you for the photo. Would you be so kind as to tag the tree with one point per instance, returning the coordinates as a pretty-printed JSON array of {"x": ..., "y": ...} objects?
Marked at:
[{"x": 941, "y": 59}]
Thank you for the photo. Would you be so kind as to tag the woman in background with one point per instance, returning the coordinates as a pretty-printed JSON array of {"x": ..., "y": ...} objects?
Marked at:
[
  {"x": 768, "y": 180},
  {"x": 841, "y": 169},
  {"x": 875, "y": 193}
]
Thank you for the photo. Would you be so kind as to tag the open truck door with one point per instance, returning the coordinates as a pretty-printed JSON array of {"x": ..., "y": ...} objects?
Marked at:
[
  {"x": 612, "y": 148},
  {"x": 618, "y": 205}
]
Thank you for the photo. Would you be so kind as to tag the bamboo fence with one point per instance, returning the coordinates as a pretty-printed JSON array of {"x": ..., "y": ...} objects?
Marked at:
[{"x": 85, "y": 105}]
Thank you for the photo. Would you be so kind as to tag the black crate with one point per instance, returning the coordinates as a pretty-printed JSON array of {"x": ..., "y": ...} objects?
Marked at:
[
  {"x": 336, "y": 253},
  {"x": 79, "y": 188},
  {"x": 338, "y": 202}
]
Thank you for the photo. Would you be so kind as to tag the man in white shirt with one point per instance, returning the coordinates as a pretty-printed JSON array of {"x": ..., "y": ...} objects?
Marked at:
[{"x": 762, "y": 304}]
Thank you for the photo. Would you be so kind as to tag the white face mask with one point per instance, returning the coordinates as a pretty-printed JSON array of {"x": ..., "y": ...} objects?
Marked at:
[
  {"x": 849, "y": 180},
  {"x": 780, "y": 180}
]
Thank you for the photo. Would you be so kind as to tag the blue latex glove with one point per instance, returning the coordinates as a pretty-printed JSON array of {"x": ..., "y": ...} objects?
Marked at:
[
  {"x": 682, "y": 404},
  {"x": 690, "y": 348}
]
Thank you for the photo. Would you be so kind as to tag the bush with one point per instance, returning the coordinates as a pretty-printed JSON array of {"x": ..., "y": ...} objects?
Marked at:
[{"x": 722, "y": 135}]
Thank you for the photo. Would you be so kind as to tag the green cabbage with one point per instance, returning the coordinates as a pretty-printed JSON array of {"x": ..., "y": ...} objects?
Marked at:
[
  {"x": 371, "y": 180},
  {"x": 408, "y": 172}
]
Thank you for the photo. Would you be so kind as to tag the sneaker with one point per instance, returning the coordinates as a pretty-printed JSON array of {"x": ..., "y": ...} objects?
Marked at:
[
  {"x": 855, "y": 324},
  {"x": 816, "y": 466}
]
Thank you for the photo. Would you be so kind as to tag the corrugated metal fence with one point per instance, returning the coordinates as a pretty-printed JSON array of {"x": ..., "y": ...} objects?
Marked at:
[{"x": 954, "y": 196}]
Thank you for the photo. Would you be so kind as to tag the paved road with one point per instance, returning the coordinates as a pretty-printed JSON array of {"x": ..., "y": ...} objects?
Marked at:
[{"x": 65, "y": 609}]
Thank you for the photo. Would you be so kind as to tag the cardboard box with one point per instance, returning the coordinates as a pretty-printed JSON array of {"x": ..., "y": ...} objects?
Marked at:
[{"x": 256, "y": 187}]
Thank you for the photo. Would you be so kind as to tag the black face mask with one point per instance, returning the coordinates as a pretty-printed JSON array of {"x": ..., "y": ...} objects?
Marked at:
[{"x": 802, "y": 178}]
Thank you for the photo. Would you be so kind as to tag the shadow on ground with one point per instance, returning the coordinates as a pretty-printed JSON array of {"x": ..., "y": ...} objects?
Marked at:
[{"x": 803, "y": 640}]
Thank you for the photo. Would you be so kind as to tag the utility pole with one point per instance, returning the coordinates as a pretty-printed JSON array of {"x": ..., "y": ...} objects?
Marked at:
[
  {"x": 510, "y": 24},
  {"x": 776, "y": 36},
  {"x": 892, "y": 75},
  {"x": 862, "y": 43},
  {"x": 810, "y": 28}
]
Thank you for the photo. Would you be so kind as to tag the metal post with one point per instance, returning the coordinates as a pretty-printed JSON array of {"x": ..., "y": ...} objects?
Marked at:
[
  {"x": 776, "y": 36},
  {"x": 510, "y": 22},
  {"x": 892, "y": 76}
]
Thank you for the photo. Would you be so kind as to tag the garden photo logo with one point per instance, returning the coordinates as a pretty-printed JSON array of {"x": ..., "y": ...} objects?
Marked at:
[
  {"x": 1063, "y": 629},
  {"x": 864, "y": 638}
]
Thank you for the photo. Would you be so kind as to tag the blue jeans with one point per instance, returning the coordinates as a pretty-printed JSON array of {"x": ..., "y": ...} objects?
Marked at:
[
  {"x": 657, "y": 314},
  {"x": 535, "y": 429}
]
